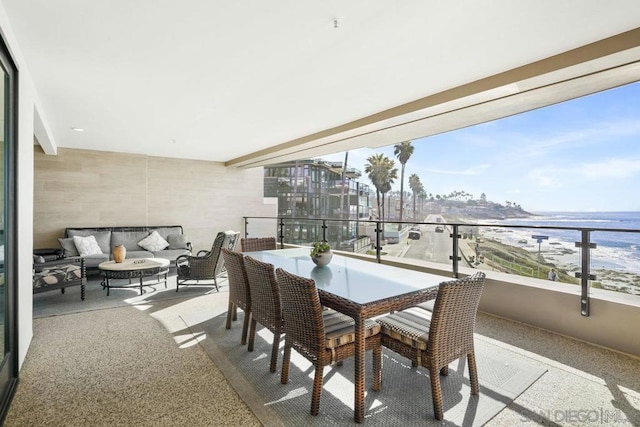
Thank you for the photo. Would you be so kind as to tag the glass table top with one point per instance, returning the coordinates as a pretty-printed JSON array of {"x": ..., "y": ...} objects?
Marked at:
[{"x": 357, "y": 280}]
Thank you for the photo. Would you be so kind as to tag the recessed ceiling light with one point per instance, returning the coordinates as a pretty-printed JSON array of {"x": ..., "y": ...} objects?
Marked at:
[{"x": 78, "y": 129}]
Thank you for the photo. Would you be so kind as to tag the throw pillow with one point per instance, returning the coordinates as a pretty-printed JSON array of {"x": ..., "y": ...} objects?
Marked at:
[
  {"x": 69, "y": 247},
  {"x": 87, "y": 245},
  {"x": 153, "y": 242},
  {"x": 178, "y": 241}
]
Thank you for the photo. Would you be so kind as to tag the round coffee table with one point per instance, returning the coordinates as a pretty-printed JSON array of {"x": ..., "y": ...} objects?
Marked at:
[{"x": 134, "y": 268}]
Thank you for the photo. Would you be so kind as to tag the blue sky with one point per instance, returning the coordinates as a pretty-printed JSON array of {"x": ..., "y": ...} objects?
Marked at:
[{"x": 580, "y": 155}]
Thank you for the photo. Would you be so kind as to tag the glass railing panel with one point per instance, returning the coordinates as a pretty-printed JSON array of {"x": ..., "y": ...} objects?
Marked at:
[
  {"x": 547, "y": 254},
  {"x": 261, "y": 227},
  {"x": 303, "y": 232},
  {"x": 419, "y": 242},
  {"x": 342, "y": 234},
  {"x": 615, "y": 261},
  {"x": 541, "y": 253}
]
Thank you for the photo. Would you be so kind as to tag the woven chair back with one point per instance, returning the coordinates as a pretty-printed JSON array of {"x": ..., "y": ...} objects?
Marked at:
[
  {"x": 265, "y": 293},
  {"x": 302, "y": 312},
  {"x": 239, "y": 292},
  {"x": 216, "y": 247},
  {"x": 253, "y": 244},
  {"x": 230, "y": 241},
  {"x": 454, "y": 317}
]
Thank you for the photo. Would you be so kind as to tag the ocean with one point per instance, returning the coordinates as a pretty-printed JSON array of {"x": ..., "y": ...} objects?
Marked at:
[{"x": 615, "y": 250}]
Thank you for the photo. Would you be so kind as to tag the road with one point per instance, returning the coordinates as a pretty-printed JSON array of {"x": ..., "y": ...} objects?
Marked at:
[{"x": 432, "y": 246}]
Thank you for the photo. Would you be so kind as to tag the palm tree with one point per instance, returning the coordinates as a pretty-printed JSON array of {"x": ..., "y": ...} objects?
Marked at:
[
  {"x": 403, "y": 152},
  {"x": 416, "y": 186},
  {"x": 422, "y": 194},
  {"x": 382, "y": 173}
]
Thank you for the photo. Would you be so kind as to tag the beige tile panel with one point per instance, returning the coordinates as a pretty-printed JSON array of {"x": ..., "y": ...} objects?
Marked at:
[{"x": 83, "y": 188}]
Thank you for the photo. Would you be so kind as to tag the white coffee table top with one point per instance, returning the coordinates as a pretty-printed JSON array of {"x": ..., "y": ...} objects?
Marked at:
[{"x": 134, "y": 264}]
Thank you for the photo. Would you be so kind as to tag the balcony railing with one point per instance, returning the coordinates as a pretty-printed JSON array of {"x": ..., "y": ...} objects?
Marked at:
[{"x": 566, "y": 255}]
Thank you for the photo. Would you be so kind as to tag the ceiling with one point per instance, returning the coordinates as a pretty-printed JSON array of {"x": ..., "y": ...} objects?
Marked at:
[{"x": 252, "y": 82}]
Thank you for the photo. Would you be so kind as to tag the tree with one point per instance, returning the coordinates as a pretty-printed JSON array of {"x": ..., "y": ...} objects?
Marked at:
[
  {"x": 483, "y": 197},
  {"x": 403, "y": 152},
  {"x": 382, "y": 173},
  {"x": 415, "y": 185},
  {"x": 422, "y": 194}
]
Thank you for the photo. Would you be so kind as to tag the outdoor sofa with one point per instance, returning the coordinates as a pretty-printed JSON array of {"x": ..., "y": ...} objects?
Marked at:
[{"x": 131, "y": 237}]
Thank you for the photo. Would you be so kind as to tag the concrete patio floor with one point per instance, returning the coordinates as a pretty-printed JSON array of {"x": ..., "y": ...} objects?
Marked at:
[{"x": 584, "y": 384}]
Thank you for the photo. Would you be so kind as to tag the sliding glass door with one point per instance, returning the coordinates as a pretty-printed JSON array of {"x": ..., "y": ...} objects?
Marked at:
[{"x": 8, "y": 230}]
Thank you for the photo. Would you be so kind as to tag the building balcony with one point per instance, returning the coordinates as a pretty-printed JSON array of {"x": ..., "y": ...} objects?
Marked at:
[{"x": 580, "y": 383}]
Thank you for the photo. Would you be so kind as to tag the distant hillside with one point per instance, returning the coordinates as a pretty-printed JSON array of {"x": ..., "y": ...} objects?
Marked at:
[{"x": 475, "y": 209}]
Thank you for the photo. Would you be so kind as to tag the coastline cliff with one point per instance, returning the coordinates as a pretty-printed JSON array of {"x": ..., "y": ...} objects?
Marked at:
[{"x": 475, "y": 209}]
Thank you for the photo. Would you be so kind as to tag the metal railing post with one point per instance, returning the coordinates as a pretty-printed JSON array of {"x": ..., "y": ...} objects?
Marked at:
[
  {"x": 281, "y": 233},
  {"x": 455, "y": 258},
  {"x": 378, "y": 246},
  {"x": 324, "y": 230},
  {"x": 585, "y": 275},
  {"x": 246, "y": 226}
]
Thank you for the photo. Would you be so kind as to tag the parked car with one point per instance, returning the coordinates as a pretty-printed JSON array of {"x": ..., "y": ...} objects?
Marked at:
[{"x": 439, "y": 229}]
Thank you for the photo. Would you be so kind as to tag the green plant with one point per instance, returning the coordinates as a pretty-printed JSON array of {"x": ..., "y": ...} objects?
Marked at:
[{"x": 318, "y": 248}]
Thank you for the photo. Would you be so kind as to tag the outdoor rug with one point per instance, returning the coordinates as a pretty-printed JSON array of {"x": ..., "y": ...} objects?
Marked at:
[
  {"x": 55, "y": 303},
  {"x": 405, "y": 397}
]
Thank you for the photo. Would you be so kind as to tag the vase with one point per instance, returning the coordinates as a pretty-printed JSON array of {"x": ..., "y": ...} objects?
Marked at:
[
  {"x": 119, "y": 253},
  {"x": 323, "y": 258}
]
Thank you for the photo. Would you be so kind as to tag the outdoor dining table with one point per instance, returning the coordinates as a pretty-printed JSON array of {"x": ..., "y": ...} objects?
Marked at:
[{"x": 360, "y": 289}]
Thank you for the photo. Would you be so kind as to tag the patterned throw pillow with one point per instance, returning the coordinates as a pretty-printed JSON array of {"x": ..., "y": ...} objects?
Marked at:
[
  {"x": 87, "y": 245},
  {"x": 153, "y": 242}
]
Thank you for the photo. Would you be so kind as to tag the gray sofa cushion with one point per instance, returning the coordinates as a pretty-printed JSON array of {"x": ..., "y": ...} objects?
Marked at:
[
  {"x": 166, "y": 231},
  {"x": 139, "y": 254},
  {"x": 69, "y": 247},
  {"x": 178, "y": 241},
  {"x": 171, "y": 254},
  {"x": 129, "y": 239},
  {"x": 92, "y": 261},
  {"x": 103, "y": 237}
]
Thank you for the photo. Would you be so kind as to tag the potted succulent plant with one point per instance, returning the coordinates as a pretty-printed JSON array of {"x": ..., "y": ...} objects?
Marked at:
[{"x": 321, "y": 253}]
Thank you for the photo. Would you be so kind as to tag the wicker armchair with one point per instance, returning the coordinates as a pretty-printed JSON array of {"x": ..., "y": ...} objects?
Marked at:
[
  {"x": 321, "y": 336},
  {"x": 206, "y": 265},
  {"x": 434, "y": 339},
  {"x": 265, "y": 304},
  {"x": 239, "y": 295},
  {"x": 254, "y": 244}
]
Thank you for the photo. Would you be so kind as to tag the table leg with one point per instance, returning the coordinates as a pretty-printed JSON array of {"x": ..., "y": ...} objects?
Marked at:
[
  {"x": 141, "y": 285},
  {"x": 359, "y": 379},
  {"x": 107, "y": 280}
]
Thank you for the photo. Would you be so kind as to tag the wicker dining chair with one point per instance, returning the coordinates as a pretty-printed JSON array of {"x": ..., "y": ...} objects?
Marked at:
[
  {"x": 321, "y": 336},
  {"x": 265, "y": 304},
  {"x": 239, "y": 293},
  {"x": 434, "y": 339},
  {"x": 253, "y": 244}
]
